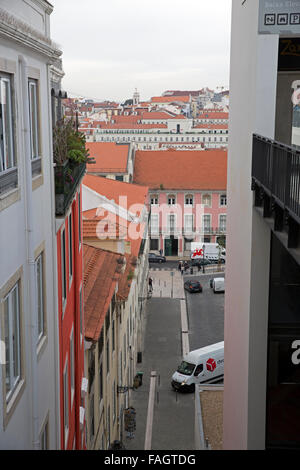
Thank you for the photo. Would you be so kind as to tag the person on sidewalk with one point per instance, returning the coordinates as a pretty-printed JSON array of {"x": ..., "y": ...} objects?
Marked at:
[
  {"x": 179, "y": 265},
  {"x": 150, "y": 282},
  {"x": 182, "y": 270}
]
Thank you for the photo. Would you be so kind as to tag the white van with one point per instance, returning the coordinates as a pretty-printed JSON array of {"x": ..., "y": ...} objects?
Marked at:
[
  {"x": 219, "y": 284},
  {"x": 205, "y": 365}
]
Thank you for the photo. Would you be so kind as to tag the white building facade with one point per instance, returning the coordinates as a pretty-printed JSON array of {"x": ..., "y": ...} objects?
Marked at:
[
  {"x": 29, "y": 393},
  {"x": 262, "y": 335}
]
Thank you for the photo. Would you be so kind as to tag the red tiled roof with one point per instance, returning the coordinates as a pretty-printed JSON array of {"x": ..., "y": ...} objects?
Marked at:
[
  {"x": 193, "y": 169},
  {"x": 112, "y": 189},
  {"x": 170, "y": 99},
  {"x": 93, "y": 228},
  {"x": 129, "y": 126},
  {"x": 101, "y": 273},
  {"x": 135, "y": 194},
  {"x": 213, "y": 115},
  {"x": 110, "y": 157}
]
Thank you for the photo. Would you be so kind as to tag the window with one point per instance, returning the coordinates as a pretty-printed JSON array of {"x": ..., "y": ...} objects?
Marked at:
[
  {"x": 206, "y": 223},
  {"x": 154, "y": 200},
  {"x": 79, "y": 218},
  {"x": 92, "y": 421},
  {"x": 113, "y": 334},
  {"x": 223, "y": 200},
  {"x": 188, "y": 222},
  {"x": 100, "y": 382},
  {"x": 12, "y": 340},
  {"x": 63, "y": 266},
  {"x": 66, "y": 399},
  {"x": 222, "y": 223},
  {"x": 39, "y": 273},
  {"x": 81, "y": 313},
  {"x": 7, "y": 159},
  {"x": 72, "y": 367},
  {"x": 33, "y": 115},
  {"x": 107, "y": 356},
  {"x": 154, "y": 224},
  {"x": 206, "y": 200},
  {"x": 189, "y": 200},
  {"x": 171, "y": 200},
  {"x": 70, "y": 247}
]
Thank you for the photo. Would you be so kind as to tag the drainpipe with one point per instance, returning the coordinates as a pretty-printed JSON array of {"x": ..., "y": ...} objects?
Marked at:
[{"x": 29, "y": 234}]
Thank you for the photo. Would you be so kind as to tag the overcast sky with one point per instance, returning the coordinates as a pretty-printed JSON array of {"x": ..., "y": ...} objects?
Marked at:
[{"x": 111, "y": 47}]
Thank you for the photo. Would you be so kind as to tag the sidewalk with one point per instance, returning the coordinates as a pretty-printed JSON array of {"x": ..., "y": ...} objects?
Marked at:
[{"x": 173, "y": 421}]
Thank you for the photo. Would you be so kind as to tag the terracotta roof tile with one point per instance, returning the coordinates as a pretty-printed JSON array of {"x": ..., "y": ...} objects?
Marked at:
[
  {"x": 110, "y": 157},
  {"x": 102, "y": 270},
  {"x": 175, "y": 169}
]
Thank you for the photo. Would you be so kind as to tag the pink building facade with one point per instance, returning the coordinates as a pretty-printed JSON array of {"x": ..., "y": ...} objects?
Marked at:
[{"x": 179, "y": 217}]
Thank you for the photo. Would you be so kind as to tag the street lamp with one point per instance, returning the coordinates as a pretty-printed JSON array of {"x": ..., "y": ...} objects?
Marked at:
[{"x": 203, "y": 250}]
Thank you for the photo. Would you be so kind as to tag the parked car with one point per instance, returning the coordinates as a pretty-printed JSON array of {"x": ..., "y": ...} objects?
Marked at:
[
  {"x": 193, "y": 286},
  {"x": 219, "y": 284},
  {"x": 201, "y": 262},
  {"x": 153, "y": 258}
]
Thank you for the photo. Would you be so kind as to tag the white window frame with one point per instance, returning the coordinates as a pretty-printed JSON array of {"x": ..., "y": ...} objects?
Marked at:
[
  {"x": 223, "y": 215},
  {"x": 14, "y": 331},
  {"x": 203, "y": 199},
  {"x": 203, "y": 221},
  {"x": 72, "y": 365},
  {"x": 39, "y": 263},
  {"x": 187, "y": 226},
  {"x": 8, "y": 140},
  {"x": 222, "y": 196},
  {"x": 63, "y": 268},
  {"x": 33, "y": 117},
  {"x": 66, "y": 400},
  {"x": 189, "y": 197},
  {"x": 154, "y": 224},
  {"x": 171, "y": 196},
  {"x": 70, "y": 247}
]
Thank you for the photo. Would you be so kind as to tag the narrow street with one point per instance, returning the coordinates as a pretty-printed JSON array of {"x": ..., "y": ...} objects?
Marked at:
[{"x": 173, "y": 419}]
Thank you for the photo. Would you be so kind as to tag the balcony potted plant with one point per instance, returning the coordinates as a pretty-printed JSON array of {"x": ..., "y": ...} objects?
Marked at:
[{"x": 69, "y": 152}]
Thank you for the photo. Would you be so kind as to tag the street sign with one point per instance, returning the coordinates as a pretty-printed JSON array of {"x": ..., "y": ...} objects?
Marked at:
[{"x": 279, "y": 17}]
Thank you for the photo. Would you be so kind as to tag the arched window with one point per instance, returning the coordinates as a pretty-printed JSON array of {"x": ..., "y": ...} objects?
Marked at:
[
  {"x": 189, "y": 200},
  {"x": 171, "y": 199},
  {"x": 206, "y": 200}
]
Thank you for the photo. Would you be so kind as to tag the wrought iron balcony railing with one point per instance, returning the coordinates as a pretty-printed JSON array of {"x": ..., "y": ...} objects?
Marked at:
[
  {"x": 276, "y": 172},
  {"x": 67, "y": 179}
]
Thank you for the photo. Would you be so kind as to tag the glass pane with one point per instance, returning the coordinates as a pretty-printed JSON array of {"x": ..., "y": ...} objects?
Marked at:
[
  {"x": 16, "y": 333},
  {"x": 7, "y": 123},
  {"x": 39, "y": 289},
  {"x": 33, "y": 120},
  {"x": 7, "y": 345}
]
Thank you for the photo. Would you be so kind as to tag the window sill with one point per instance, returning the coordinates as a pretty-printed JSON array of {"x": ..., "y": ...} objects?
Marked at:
[
  {"x": 41, "y": 346},
  {"x": 9, "y": 198},
  {"x": 11, "y": 405},
  {"x": 37, "y": 181}
]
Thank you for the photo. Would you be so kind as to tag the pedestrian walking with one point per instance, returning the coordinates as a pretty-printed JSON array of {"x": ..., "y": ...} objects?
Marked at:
[
  {"x": 186, "y": 265},
  {"x": 182, "y": 269},
  {"x": 150, "y": 282},
  {"x": 179, "y": 265},
  {"x": 160, "y": 252}
]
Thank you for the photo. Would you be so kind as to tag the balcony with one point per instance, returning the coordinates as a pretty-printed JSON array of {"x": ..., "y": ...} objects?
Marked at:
[
  {"x": 276, "y": 185},
  {"x": 67, "y": 178}
]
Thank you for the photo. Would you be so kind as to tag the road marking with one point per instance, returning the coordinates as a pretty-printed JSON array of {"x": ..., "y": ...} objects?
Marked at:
[
  {"x": 150, "y": 412},
  {"x": 184, "y": 328}
]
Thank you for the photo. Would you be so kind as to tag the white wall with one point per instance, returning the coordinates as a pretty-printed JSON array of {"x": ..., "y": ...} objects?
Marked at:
[{"x": 252, "y": 90}]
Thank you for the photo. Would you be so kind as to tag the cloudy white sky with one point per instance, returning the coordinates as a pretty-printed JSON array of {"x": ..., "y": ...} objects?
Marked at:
[{"x": 111, "y": 47}]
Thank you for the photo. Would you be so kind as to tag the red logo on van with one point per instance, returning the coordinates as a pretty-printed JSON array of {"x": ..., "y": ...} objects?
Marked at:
[{"x": 211, "y": 365}]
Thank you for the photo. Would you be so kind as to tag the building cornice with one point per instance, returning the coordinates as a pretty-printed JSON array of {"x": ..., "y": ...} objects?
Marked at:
[{"x": 19, "y": 32}]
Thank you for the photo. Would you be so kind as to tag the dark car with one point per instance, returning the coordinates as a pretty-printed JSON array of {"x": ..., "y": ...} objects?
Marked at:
[
  {"x": 193, "y": 286},
  {"x": 200, "y": 262},
  {"x": 153, "y": 258}
]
